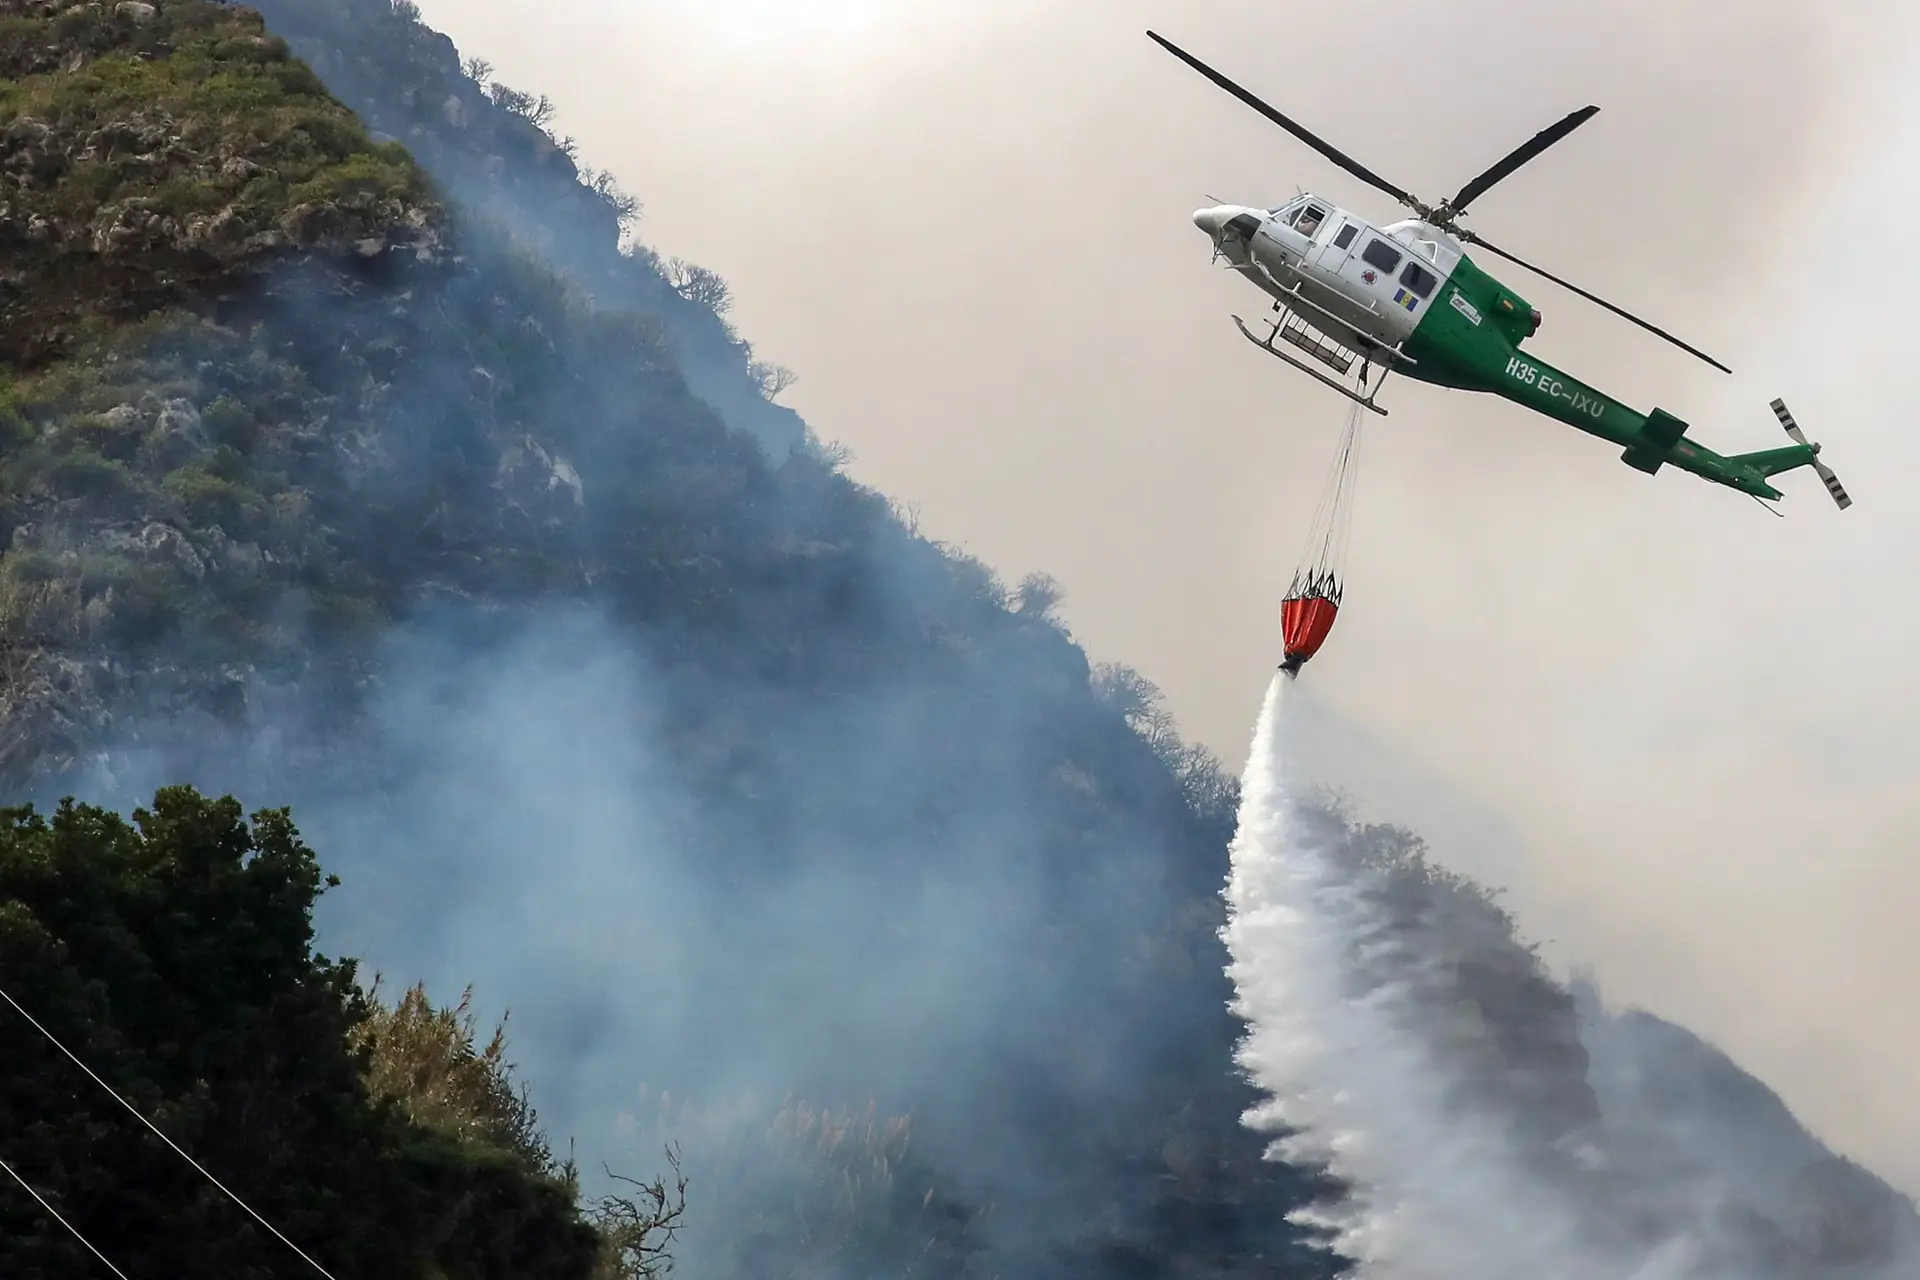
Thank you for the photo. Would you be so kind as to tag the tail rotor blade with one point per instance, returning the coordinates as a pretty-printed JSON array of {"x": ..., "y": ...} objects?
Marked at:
[
  {"x": 1793, "y": 430},
  {"x": 1835, "y": 489}
]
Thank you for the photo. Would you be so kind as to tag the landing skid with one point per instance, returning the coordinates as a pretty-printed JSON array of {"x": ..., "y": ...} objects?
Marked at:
[{"x": 1364, "y": 401}]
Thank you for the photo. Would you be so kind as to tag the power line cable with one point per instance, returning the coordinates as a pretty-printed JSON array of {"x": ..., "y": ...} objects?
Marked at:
[
  {"x": 132, "y": 1110},
  {"x": 27, "y": 1187}
]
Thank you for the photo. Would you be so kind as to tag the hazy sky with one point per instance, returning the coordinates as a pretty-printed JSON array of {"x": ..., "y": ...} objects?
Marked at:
[{"x": 1681, "y": 731}]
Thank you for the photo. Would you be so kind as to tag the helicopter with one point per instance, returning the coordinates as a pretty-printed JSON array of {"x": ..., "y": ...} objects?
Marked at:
[{"x": 1405, "y": 297}]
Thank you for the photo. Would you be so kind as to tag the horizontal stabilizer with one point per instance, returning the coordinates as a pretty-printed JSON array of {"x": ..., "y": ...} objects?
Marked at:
[
  {"x": 1658, "y": 434},
  {"x": 1661, "y": 431}
]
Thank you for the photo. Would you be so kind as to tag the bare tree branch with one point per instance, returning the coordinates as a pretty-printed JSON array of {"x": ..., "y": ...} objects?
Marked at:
[{"x": 638, "y": 1231}]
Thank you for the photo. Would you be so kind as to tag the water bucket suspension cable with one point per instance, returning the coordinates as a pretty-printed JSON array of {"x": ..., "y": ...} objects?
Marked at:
[
  {"x": 1313, "y": 601},
  {"x": 1323, "y": 558}
]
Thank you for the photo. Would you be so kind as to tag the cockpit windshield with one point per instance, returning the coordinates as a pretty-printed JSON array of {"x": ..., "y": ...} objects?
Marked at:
[{"x": 1303, "y": 213}]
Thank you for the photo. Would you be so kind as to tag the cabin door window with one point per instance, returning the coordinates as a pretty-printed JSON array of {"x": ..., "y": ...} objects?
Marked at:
[
  {"x": 1339, "y": 248},
  {"x": 1381, "y": 256}
]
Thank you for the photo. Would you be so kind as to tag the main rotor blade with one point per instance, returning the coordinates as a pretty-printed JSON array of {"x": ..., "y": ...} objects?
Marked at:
[
  {"x": 1471, "y": 238},
  {"x": 1520, "y": 155},
  {"x": 1346, "y": 162}
]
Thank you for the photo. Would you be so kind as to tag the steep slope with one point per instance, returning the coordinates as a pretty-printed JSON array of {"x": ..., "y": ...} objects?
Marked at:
[
  {"x": 1657, "y": 1142},
  {"x": 309, "y": 523},
  {"x": 1680, "y": 1106},
  {"x": 486, "y": 144}
]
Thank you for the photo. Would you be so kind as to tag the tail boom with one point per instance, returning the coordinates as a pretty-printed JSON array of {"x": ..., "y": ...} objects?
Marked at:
[
  {"x": 1649, "y": 441},
  {"x": 1663, "y": 441},
  {"x": 1747, "y": 472}
]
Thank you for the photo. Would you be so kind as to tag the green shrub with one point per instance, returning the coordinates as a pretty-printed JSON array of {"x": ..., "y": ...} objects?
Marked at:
[
  {"x": 15, "y": 429},
  {"x": 209, "y": 500},
  {"x": 175, "y": 949},
  {"x": 82, "y": 473},
  {"x": 30, "y": 568},
  {"x": 149, "y": 604},
  {"x": 230, "y": 423}
]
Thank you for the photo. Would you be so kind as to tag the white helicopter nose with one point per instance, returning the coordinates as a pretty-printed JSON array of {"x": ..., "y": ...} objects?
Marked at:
[{"x": 1223, "y": 219}]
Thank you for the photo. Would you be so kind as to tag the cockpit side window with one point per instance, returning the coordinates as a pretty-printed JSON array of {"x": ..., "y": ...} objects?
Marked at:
[{"x": 1310, "y": 220}]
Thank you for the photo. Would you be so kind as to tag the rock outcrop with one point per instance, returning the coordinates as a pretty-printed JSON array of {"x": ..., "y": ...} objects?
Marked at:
[{"x": 156, "y": 155}]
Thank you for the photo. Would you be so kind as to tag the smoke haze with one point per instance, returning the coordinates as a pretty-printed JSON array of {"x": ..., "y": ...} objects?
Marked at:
[
  {"x": 698, "y": 894},
  {"x": 606, "y": 690},
  {"x": 966, "y": 227},
  {"x": 1372, "y": 985}
]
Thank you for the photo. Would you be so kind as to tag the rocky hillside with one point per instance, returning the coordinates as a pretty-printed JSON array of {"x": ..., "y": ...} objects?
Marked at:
[
  {"x": 490, "y": 146},
  {"x": 165, "y": 156},
  {"x": 388, "y": 453}
]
